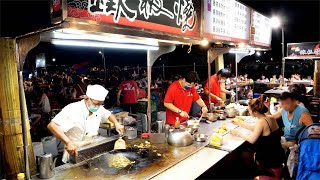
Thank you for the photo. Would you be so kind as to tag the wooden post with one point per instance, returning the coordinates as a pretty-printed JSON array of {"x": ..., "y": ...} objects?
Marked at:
[{"x": 11, "y": 140}]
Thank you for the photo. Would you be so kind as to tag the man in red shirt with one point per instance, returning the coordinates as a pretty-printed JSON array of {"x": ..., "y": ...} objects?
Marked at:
[
  {"x": 179, "y": 97},
  {"x": 215, "y": 88},
  {"x": 130, "y": 91}
]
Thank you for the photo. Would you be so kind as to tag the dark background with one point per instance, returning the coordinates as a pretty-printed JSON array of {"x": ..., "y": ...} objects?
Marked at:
[{"x": 300, "y": 23}]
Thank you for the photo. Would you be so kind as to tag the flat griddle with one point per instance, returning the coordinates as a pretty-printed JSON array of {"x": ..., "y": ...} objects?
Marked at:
[{"x": 99, "y": 165}]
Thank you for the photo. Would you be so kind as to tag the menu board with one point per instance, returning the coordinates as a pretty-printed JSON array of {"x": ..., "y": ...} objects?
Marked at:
[
  {"x": 226, "y": 20},
  {"x": 260, "y": 29}
]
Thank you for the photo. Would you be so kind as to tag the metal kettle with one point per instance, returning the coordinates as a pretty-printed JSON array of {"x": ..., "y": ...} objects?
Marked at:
[
  {"x": 46, "y": 165},
  {"x": 180, "y": 137}
]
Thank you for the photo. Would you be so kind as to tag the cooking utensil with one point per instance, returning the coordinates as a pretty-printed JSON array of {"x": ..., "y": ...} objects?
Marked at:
[
  {"x": 180, "y": 137},
  {"x": 120, "y": 143},
  {"x": 201, "y": 117},
  {"x": 46, "y": 166},
  {"x": 200, "y": 137}
]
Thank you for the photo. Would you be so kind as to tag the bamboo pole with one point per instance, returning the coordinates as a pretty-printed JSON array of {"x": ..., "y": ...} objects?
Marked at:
[{"x": 11, "y": 140}]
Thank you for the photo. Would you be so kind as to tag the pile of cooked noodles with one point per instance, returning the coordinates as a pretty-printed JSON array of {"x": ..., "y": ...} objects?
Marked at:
[{"x": 119, "y": 161}]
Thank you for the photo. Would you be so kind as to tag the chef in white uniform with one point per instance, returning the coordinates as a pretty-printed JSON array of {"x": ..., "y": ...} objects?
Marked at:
[{"x": 78, "y": 122}]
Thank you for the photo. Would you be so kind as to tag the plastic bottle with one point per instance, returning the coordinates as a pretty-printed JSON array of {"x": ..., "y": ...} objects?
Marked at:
[
  {"x": 177, "y": 123},
  {"x": 21, "y": 176}
]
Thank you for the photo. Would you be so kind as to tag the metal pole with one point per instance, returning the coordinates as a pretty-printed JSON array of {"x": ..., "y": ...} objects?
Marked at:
[
  {"x": 209, "y": 75},
  {"x": 23, "y": 123},
  {"x": 194, "y": 67},
  {"x": 163, "y": 73},
  {"x": 149, "y": 90},
  {"x": 237, "y": 98},
  {"x": 282, "y": 57},
  {"x": 105, "y": 68}
]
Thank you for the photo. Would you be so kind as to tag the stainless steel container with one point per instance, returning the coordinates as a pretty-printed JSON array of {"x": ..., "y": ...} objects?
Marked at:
[
  {"x": 180, "y": 137},
  {"x": 46, "y": 166},
  {"x": 131, "y": 132},
  {"x": 160, "y": 125}
]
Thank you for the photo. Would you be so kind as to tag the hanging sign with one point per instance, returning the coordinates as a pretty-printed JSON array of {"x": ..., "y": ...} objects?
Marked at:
[
  {"x": 179, "y": 17},
  {"x": 308, "y": 49},
  {"x": 260, "y": 30},
  {"x": 226, "y": 20}
]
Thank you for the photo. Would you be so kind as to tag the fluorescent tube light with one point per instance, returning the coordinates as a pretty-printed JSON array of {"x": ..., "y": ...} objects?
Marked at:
[
  {"x": 240, "y": 51},
  {"x": 85, "y": 43},
  {"x": 112, "y": 38}
]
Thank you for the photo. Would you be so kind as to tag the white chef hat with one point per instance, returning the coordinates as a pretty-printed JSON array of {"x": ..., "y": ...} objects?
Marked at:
[{"x": 97, "y": 92}]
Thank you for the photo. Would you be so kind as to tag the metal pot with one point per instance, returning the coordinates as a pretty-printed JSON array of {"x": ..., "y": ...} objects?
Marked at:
[
  {"x": 180, "y": 137},
  {"x": 231, "y": 112},
  {"x": 212, "y": 116}
]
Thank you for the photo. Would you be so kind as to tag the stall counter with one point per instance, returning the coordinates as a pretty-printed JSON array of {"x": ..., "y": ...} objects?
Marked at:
[{"x": 178, "y": 160}]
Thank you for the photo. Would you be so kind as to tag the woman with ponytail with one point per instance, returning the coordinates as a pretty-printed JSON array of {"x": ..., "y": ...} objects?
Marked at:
[{"x": 269, "y": 155}]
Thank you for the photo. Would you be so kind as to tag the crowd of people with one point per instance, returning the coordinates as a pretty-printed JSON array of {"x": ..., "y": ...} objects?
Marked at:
[{"x": 292, "y": 80}]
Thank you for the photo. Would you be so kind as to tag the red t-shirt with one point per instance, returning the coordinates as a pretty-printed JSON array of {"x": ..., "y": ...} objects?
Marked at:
[
  {"x": 129, "y": 90},
  {"x": 215, "y": 89},
  {"x": 180, "y": 98}
]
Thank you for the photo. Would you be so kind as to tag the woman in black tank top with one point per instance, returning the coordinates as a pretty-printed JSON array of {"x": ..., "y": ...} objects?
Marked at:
[{"x": 265, "y": 137}]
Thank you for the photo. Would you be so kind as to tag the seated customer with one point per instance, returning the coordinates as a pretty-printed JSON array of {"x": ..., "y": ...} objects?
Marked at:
[
  {"x": 299, "y": 92},
  {"x": 269, "y": 155},
  {"x": 294, "y": 117}
]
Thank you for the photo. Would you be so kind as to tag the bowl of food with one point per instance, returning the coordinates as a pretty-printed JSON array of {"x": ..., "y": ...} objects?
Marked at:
[
  {"x": 200, "y": 137},
  {"x": 193, "y": 128}
]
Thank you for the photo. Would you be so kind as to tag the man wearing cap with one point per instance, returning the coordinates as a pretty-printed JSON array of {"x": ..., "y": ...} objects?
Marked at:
[{"x": 79, "y": 121}]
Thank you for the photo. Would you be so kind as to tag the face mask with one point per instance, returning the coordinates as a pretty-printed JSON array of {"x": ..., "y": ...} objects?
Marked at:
[
  {"x": 187, "y": 87},
  {"x": 222, "y": 81},
  {"x": 93, "y": 108}
]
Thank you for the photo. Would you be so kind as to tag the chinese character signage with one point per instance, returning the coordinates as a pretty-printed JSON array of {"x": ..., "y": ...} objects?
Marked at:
[
  {"x": 57, "y": 11},
  {"x": 260, "y": 30},
  {"x": 305, "y": 50},
  {"x": 226, "y": 20},
  {"x": 179, "y": 17}
]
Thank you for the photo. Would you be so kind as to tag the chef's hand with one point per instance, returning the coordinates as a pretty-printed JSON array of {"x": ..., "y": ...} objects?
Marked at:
[
  {"x": 221, "y": 103},
  {"x": 204, "y": 110},
  {"x": 119, "y": 128},
  {"x": 72, "y": 149},
  {"x": 184, "y": 114},
  {"x": 235, "y": 132}
]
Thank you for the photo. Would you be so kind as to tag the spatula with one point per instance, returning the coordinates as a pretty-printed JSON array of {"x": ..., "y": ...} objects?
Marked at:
[{"x": 120, "y": 143}]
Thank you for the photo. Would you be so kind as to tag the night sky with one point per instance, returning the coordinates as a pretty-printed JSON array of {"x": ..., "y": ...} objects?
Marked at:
[
  {"x": 300, "y": 22},
  {"x": 301, "y": 19}
]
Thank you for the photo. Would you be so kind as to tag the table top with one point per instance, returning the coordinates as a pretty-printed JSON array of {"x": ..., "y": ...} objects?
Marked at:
[{"x": 284, "y": 89}]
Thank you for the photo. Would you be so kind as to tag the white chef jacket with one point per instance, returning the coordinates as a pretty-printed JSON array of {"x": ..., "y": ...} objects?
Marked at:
[{"x": 76, "y": 115}]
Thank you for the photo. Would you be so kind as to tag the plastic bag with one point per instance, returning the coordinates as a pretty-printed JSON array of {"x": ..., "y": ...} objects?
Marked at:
[{"x": 292, "y": 162}]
